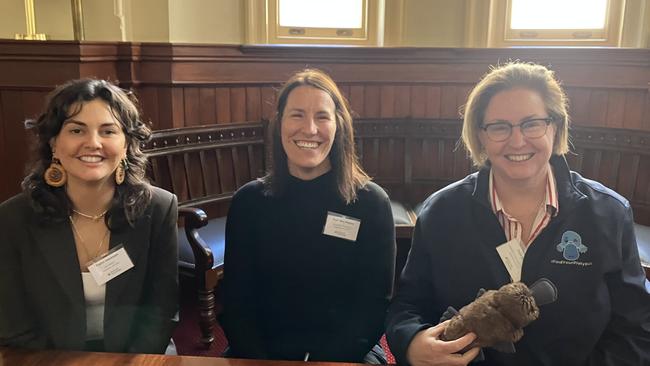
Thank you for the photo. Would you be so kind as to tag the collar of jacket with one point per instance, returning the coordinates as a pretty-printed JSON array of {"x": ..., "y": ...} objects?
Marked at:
[{"x": 568, "y": 194}]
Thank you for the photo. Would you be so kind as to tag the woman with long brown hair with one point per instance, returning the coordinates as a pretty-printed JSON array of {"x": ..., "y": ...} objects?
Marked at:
[{"x": 310, "y": 248}]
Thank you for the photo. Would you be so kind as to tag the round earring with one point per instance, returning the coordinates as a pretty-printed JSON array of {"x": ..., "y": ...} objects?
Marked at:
[
  {"x": 55, "y": 175},
  {"x": 120, "y": 172}
]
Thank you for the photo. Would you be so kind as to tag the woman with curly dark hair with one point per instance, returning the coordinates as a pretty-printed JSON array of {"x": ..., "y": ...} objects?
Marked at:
[{"x": 89, "y": 256}]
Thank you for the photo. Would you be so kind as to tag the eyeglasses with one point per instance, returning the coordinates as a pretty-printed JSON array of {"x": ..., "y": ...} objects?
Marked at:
[{"x": 531, "y": 128}]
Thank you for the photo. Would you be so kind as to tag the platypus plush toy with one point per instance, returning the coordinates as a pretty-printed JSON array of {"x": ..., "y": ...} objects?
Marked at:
[{"x": 498, "y": 316}]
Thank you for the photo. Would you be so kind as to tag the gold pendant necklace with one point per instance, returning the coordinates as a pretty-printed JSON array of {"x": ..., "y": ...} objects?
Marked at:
[
  {"x": 90, "y": 217},
  {"x": 83, "y": 242}
]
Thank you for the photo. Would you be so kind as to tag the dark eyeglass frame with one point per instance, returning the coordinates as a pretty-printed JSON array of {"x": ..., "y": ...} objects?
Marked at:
[{"x": 547, "y": 120}]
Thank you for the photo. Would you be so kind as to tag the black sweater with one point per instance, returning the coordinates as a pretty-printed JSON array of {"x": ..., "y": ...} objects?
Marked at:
[{"x": 289, "y": 289}]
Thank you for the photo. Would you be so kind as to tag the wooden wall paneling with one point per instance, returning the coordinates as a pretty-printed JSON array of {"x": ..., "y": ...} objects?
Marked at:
[
  {"x": 387, "y": 106},
  {"x": 386, "y": 154},
  {"x": 371, "y": 156},
  {"x": 372, "y": 101},
  {"x": 4, "y": 155},
  {"x": 579, "y": 104},
  {"x": 462, "y": 92},
  {"x": 432, "y": 109},
  {"x": 178, "y": 107},
  {"x": 192, "y": 106},
  {"x": 434, "y": 156},
  {"x": 418, "y": 162},
  {"x": 162, "y": 173},
  {"x": 646, "y": 111},
  {"x": 238, "y": 104},
  {"x": 207, "y": 106},
  {"x": 447, "y": 158},
  {"x": 222, "y": 96},
  {"x": 194, "y": 174},
  {"x": 253, "y": 167},
  {"x": 227, "y": 170},
  {"x": 345, "y": 91},
  {"x": 418, "y": 106},
  {"x": 615, "y": 109},
  {"x": 633, "y": 110},
  {"x": 165, "y": 109},
  {"x": 591, "y": 163},
  {"x": 357, "y": 100},
  {"x": 33, "y": 103},
  {"x": 253, "y": 104},
  {"x": 627, "y": 175},
  {"x": 598, "y": 108},
  {"x": 462, "y": 163},
  {"x": 449, "y": 102},
  {"x": 402, "y": 101},
  {"x": 431, "y": 156},
  {"x": 268, "y": 102},
  {"x": 176, "y": 167},
  {"x": 210, "y": 172},
  {"x": 241, "y": 162},
  {"x": 148, "y": 100},
  {"x": 642, "y": 186},
  {"x": 15, "y": 140},
  {"x": 609, "y": 169}
]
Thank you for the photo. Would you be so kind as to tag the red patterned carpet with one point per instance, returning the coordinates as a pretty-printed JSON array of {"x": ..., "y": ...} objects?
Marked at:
[{"x": 187, "y": 334}]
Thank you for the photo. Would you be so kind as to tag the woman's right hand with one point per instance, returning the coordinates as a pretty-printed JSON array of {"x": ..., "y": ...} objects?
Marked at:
[{"x": 426, "y": 349}]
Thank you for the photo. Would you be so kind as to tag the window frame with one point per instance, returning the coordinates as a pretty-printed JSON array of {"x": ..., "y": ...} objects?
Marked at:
[
  {"x": 366, "y": 35},
  {"x": 504, "y": 36}
]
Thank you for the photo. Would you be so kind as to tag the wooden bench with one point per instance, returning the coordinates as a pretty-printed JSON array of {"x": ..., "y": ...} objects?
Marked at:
[{"x": 410, "y": 158}]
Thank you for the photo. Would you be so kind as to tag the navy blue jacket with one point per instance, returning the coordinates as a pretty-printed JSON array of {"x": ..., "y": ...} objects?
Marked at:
[{"x": 602, "y": 315}]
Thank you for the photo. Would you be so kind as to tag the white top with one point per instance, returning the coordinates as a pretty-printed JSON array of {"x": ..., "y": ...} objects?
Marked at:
[{"x": 95, "y": 299}]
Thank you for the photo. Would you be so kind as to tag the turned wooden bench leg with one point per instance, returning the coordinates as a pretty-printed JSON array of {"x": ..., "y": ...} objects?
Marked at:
[
  {"x": 207, "y": 305},
  {"x": 207, "y": 315}
]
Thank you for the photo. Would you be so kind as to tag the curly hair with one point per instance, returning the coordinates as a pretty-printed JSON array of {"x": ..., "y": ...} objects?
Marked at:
[
  {"x": 350, "y": 177},
  {"x": 133, "y": 195}
]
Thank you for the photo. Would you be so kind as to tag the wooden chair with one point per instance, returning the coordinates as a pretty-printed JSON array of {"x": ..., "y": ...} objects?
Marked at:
[{"x": 204, "y": 166}]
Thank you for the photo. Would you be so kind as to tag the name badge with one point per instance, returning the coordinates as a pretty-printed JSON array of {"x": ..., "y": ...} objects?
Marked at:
[
  {"x": 110, "y": 265},
  {"x": 512, "y": 256},
  {"x": 341, "y": 226}
]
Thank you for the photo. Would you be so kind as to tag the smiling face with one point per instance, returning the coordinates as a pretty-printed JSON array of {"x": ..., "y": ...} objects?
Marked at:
[
  {"x": 518, "y": 159},
  {"x": 307, "y": 130},
  {"x": 90, "y": 144}
]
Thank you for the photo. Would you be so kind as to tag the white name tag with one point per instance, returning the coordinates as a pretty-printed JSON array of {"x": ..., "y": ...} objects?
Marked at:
[
  {"x": 512, "y": 256},
  {"x": 341, "y": 226},
  {"x": 111, "y": 265}
]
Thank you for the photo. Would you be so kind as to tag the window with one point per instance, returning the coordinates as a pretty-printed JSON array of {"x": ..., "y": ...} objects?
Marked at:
[
  {"x": 323, "y": 21},
  {"x": 557, "y": 22}
]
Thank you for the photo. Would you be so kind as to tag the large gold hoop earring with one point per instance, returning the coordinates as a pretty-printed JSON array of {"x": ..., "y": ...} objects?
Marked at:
[
  {"x": 120, "y": 172},
  {"x": 55, "y": 175}
]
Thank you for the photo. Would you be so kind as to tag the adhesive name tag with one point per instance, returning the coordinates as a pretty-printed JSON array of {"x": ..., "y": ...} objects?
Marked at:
[
  {"x": 512, "y": 256},
  {"x": 341, "y": 226},
  {"x": 111, "y": 265}
]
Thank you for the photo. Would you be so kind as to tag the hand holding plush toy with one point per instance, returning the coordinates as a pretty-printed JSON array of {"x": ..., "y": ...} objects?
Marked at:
[{"x": 497, "y": 317}]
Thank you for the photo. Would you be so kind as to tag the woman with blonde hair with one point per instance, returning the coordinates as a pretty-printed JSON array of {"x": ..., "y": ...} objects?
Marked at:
[{"x": 554, "y": 223}]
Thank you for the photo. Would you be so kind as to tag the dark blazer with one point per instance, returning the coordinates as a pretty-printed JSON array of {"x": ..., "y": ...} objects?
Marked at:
[{"x": 41, "y": 293}]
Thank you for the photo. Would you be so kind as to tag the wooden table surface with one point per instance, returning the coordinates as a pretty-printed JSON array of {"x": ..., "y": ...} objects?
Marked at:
[{"x": 19, "y": 357}]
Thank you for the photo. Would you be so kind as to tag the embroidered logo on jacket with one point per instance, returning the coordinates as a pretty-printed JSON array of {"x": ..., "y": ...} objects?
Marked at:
[{"x": 571, "y": 246}]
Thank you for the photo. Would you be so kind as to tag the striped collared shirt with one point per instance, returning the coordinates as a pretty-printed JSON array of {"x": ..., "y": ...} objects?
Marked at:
[{"x": 512, "y": 227}]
